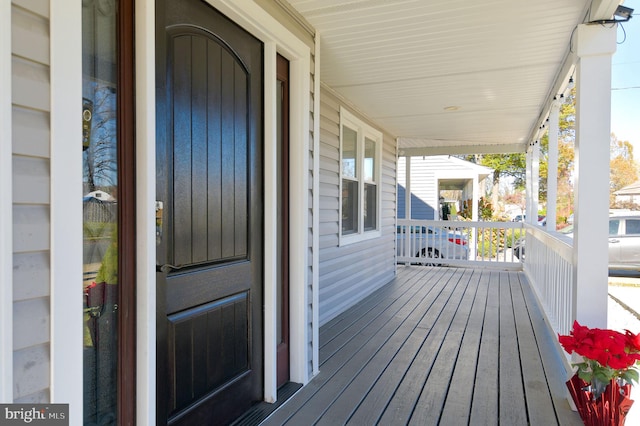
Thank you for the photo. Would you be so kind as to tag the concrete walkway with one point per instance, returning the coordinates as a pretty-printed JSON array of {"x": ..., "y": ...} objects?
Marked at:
[{"x": 624, "y": 309}]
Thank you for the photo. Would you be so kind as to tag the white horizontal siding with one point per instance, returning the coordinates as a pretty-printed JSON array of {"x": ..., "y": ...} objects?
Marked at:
[
  {"x": 31, "y": 183},
  {"x": 30, "y": 84},
  {"x": 30, "y": 132},
  {"x": 30, "y": 35},
  {"x": 26, "y": 314},
  {"x": 30, "y": 228},
  {"x": 30, "y": 275},
  {"x": 350, "y": 272},
  {"x": 37, "y": 7},
  {"x": 31, "y": 374}
]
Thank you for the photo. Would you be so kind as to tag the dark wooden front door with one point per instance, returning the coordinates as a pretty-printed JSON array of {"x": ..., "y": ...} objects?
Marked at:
[{"x": 209, "y": 174}]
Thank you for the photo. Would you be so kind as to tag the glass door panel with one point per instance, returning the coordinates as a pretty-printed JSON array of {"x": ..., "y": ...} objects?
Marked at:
[{"x": 100, "y": 207}]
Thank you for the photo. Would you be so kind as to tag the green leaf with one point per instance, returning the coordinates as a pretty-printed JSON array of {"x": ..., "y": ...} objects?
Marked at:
[
  {"x": 585, "y": 375},
  {"x": 602, "y": 376},
  {"x": 631, "y": 376}
]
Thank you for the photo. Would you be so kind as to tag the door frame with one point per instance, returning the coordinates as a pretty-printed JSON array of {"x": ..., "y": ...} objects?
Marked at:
[{"x": 276, "y": 39}]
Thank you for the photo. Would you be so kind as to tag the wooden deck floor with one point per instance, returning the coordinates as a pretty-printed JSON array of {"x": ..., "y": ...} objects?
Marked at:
[{"x": 437, "y": 346}]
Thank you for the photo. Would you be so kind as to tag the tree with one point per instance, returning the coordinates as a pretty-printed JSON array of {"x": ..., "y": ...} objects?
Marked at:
[
  {"x": 623, "y": 168},
  {"x": 100, "y": 152},
  {"x": 513, "y": 165}
]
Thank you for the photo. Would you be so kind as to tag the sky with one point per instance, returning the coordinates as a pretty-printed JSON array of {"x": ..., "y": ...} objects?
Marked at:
[{"x": 625, "y": 82}]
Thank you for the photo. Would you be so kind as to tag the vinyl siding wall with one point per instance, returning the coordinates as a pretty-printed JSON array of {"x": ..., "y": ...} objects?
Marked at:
[
  {"x": 426, "y": 172},
  {"x": 424, "y": 189},
  {"x": 31, "y": 199},
  {"x": 348, "y": 273}
]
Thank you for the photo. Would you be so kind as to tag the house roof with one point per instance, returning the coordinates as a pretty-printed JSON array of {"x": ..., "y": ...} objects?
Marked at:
[
  {"x": 481, "y": 171},
  {"x": 633, "y": 189},
  {"x": 448, "y": 77}
]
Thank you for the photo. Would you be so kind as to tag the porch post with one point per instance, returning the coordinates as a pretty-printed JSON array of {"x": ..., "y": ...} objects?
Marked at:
[
  {"x": 528, "y": 191},
  {"x": 407, "y": 204},
  {"x": 535, "y": 182},
  {"x": 407, "y": 188},
  {"x": 475, "y": 216},
  {"x": 595, "y": 46},
  {"x": 552, "y": 169}
]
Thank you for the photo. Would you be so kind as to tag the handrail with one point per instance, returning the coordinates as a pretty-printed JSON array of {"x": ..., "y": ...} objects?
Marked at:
[
  {"x": 459, "y": 243},
  {"x": 549, "y": 268}
]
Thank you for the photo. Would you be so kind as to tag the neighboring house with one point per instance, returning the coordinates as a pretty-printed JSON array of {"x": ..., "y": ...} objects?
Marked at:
[
  {"x": 100, "y": 195},
  {"x": 630, "y": 193},
  {"x": 256, "y": 181},
  {"x": 430, "y": 176}
]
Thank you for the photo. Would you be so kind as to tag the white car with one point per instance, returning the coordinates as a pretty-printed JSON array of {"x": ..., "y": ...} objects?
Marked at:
[{"x": 429, "y": 243}]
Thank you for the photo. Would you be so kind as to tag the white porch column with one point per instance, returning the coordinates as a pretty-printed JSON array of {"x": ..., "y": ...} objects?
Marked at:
[
  {"x": 535, "y": 183},
  {"x": 552, "y": 169},
  {"x": 595, "y": 46},
  {"x": 528, "y": 188},
  {"x": 473, "y": 247},
  {"x": 475, "y": 216},
  {"x": 407, "y": 188},
  {"x": 407, "y": 203}
]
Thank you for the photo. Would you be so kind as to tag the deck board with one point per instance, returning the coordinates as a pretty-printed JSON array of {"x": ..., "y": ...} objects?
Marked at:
[
  {"x": 437, "y": 346},
  {"x": 383, "y": 391},
  {"x": 432, "y": 399},
  {"x": 484, "y": 405},
  {"x": 512, "y": 407},
  {"x": 401, "y": 407},
  {"x": 458, "y": 402}
]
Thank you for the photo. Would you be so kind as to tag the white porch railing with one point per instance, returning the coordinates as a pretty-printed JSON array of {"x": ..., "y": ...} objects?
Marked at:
[
  {"x": 549, "y": 268},
  {"x": 500, "y": 245},
  {"x": 459, "y": 243}
]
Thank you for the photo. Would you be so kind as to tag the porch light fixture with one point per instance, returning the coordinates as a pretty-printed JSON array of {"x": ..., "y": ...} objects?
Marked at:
[{"x": 622, "y": 12}]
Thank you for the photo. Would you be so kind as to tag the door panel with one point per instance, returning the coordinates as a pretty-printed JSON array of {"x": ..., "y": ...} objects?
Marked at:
[{"x": 209, "y": 174}]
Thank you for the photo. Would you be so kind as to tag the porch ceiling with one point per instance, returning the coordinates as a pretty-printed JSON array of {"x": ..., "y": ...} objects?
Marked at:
[{"x": 451, "y": 76}]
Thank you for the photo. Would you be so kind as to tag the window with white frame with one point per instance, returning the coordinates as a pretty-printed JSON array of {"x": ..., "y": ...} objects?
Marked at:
[{"x": 360, "y": 164}]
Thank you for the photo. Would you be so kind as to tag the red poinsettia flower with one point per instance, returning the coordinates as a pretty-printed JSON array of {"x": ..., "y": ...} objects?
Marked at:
[
  {"x": 633, "y": 340},
  {"x": 606, "y": 353}
]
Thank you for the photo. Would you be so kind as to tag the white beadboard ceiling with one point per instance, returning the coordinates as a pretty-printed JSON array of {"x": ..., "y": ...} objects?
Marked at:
[{"x": 461, "y": 75}]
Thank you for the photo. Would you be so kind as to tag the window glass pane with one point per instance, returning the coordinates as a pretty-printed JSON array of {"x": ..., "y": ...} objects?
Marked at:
[
  {"x": 100, "y": 205},
  {"x": 633, "y": 227},
  {"x": 349, "y": 206},
  {"x": 370, "y": 206},
  {"x": 613, "y": 227},
  {"x": 349, "y": 152},
  {"x": 369, "y": 160}
]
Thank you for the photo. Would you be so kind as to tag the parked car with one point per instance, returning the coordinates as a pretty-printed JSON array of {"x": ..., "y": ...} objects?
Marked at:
[
  {"x": 519, "y": 218},
  {"x": 429, "y": 243},
  {"x": 624, "y": 243}
]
